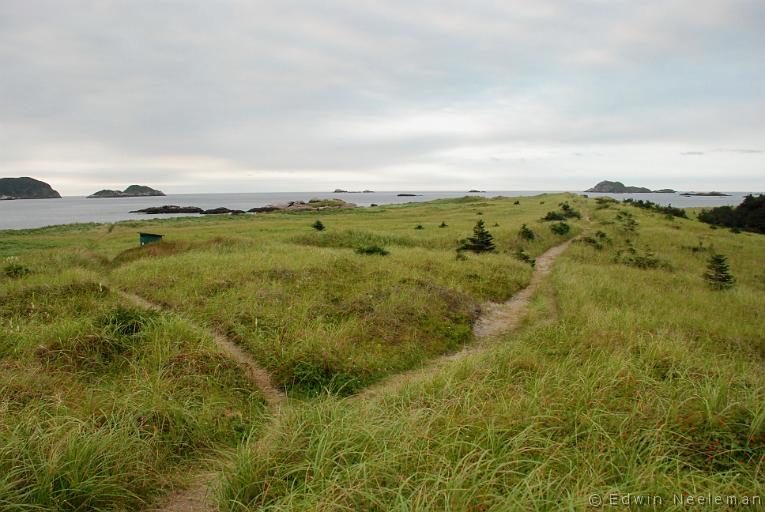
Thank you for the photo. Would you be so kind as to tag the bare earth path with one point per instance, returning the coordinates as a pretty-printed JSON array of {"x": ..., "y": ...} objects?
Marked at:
[
  {"x": 498, "y": 318},
  {"x": 495, "y": 319},
  {"x": 257, "y": 374},
  {"x": 197, "y": 496}
]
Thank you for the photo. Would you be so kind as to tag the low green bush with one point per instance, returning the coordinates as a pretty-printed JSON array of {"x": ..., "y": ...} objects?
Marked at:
[
  {"x": 560, "y": 228},
  {"x": 372, "y": 249},
  {"x": 526, "y": 233}
]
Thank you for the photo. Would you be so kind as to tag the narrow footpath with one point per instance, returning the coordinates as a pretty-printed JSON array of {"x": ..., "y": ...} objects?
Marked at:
[{"x": 495, "y": 319}]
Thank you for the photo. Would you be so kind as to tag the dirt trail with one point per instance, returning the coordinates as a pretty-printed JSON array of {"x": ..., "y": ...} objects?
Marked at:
[
  {"x": 257, "y": 374},
  {"x": 498, "y": 318},
  {"x": 495, "y": 319},
  {"x": 197, "y": 497}
]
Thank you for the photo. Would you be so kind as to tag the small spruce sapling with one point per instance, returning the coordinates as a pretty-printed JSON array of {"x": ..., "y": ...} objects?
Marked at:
[
  {"x": 481, "y": 241},
  {"x": 718, "y": 275},
  {"x": 318, "y": 225},
  {"x": 526, "y": 233}
]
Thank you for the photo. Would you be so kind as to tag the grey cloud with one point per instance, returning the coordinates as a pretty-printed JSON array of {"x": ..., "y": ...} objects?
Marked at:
[{"x": 276, "y": 86}]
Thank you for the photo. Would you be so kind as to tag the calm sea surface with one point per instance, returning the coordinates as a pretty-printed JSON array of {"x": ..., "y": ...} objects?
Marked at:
[{"x": 35, "y": 213}]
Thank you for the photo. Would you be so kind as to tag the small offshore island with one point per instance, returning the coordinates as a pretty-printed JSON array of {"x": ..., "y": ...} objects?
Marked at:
[
  {"x": 617, "y": 187},
  {"x": 131, "y": 191},
  {"x": 26, "y": 188},
  {"x": 705, "y": 194}
]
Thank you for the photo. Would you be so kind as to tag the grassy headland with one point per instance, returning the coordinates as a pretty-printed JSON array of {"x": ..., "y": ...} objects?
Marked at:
[{"x": 630, "y": 374}]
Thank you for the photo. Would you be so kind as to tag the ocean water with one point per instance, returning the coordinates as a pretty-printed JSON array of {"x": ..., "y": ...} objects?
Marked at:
[{"x": 35, "y": 213}]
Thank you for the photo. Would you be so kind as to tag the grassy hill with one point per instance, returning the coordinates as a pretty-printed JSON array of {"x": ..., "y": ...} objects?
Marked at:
[{"x": 629, "y": 374}]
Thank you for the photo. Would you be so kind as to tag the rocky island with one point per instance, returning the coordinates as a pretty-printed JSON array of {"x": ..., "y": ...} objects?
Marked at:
[
  {"x": 705, "y": 194},
  {"x": 617, "y": 187},
  {"x": 131, "y": 191},
  {"x": 26, "y": 188}
]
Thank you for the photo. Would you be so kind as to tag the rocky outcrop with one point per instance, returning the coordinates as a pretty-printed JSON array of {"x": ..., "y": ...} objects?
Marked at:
[
  {"x": 264, "y": 209},
  {"x": 302, "y": 206},
  {"x": 131, "y": 191},
  {"x": 26, "y": 188},
  {"x": 169, "y": 208},
  {"x": 292, "y": 206},
  {"x": 408, "y": 195},
  {"x": 222, "y": 211},
  {"x": 705, "y": 194}
]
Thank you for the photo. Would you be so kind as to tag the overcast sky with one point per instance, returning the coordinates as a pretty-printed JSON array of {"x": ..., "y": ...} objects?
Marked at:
[{"x": 250, "y": 96}]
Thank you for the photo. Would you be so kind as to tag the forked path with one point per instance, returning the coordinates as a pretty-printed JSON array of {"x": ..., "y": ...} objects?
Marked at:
[
  {"x": 495, "y": 319},
  {"x": 256, "y": 373},
  {"x": 196, "y": 497}
]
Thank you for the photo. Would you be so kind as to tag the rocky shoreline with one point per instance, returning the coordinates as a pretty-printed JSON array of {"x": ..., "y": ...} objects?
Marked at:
[{"x": 293, "y": 206}]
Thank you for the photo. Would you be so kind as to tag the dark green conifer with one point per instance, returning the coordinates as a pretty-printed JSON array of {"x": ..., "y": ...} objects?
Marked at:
[
  {"x": 481, "y": 241},
  {"x": 718, "y": 275}
]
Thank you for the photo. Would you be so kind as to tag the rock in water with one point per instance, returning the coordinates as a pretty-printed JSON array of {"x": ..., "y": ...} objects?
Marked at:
[
  {"x": 169, "y": 208},
  {"x": 222, "y": 211}
]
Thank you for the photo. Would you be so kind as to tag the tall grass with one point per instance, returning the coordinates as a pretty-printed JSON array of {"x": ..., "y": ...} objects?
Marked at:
[
  {"x": 647, "y": 383},
  {"x": 101, "y": 403}
]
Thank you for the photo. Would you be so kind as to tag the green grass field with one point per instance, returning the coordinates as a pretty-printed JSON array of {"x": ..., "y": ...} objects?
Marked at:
[{"x": 629, "y": 375}]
